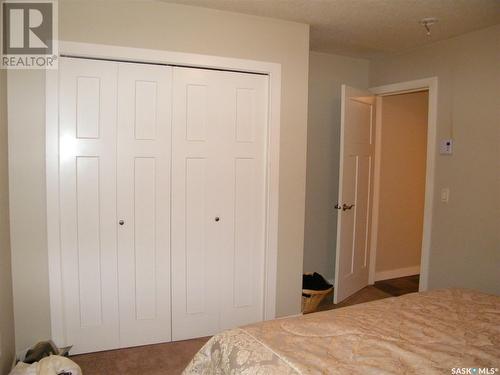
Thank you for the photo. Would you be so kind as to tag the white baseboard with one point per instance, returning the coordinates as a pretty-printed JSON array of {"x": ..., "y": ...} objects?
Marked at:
[{"x": 400, "y": 272}]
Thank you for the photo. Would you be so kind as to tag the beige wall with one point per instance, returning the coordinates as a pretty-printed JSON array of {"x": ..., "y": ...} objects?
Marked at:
[
  {"x": 26, "y": 117},
  {"x": 326, "y": 75},
  {"x": 465, "y": 244},
  {"x": 156, "y": 25},
  {"x": 7, "y": 347},
  {"x": 402, "y": 180}
]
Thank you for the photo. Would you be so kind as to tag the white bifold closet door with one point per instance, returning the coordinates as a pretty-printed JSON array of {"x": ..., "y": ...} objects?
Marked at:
[
  {"x": 115, "y": 130},
  {"x": 162, "y": 201},
  {"x": 87, "y": 128},
  {"x": 143, "y": 196},
  {"x": 219, "y": 141}
]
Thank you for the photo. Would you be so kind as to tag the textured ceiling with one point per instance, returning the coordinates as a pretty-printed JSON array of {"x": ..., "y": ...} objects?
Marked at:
[{"x": 369, "y": 27}]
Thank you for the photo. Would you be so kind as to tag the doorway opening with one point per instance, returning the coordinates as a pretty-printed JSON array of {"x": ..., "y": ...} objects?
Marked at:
[{"x": 399, "y": 177}]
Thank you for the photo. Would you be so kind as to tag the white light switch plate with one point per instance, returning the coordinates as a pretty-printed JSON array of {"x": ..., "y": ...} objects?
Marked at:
[{"x": 446, "y": 147}]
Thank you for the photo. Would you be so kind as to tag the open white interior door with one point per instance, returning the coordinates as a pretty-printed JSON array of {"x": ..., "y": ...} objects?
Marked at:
[{"x": 357, "y": 146}]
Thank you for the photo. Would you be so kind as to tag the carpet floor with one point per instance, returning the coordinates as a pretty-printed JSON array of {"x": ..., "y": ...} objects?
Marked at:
[
  {"x": 160, "y": 359},
  {"x": 381, "y": 289},
  {"x": 171, "y": 358},
  {"x": 399, "y": 286}
]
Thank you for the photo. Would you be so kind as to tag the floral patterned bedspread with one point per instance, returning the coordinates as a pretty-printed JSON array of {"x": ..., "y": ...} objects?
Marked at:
[{"x": 421, "y": 333}]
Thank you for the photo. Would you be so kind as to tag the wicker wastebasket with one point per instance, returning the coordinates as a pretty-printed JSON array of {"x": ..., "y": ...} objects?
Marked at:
[{"x": 312, "y": 298}]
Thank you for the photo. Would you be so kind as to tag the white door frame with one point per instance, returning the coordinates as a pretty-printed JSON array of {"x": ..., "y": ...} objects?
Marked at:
[
  {"x": 106, "y": 52},
  {"x": 430, "y": 84}
]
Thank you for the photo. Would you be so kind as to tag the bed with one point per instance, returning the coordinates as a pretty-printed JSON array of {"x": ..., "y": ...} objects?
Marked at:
[{"x": 436, "y": 332}]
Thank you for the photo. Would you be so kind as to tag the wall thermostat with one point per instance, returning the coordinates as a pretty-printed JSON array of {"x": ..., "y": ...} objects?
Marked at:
[{"x": 446, "y": 147}]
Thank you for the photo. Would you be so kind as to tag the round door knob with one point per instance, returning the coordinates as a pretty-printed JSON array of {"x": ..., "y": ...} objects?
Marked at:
[
  {"x": 217, "y": 218},
  {"x": 121, "y": 222}
]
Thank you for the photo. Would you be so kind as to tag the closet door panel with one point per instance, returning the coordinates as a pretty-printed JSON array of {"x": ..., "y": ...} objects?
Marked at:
[
  {"x": 218, "y": 200},
  {"x": 243, "y": 144},
  {"x": 145, "y": 202},
  {"x": 195, "y": 255},
  {"x": 144, "y": 148},
  {"x": 88, "y": 242},
  {"x": 87, "y": 130},
  {"x": 196, "y": 252},
  {"x": 245, "y": 241}
]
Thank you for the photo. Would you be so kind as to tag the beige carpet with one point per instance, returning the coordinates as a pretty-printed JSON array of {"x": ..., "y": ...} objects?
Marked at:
[
  {"x": 164, "y": 359},
  {"x": 381, "y": 289}
]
